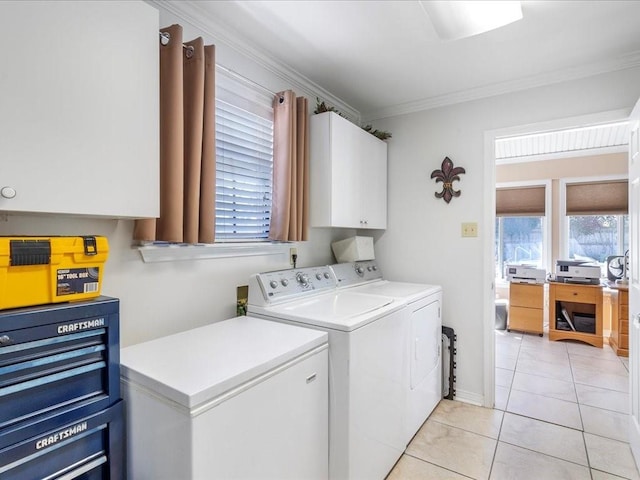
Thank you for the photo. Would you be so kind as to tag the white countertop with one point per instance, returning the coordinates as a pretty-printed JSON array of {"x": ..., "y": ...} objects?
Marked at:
[{"x": 198, "y": 365}]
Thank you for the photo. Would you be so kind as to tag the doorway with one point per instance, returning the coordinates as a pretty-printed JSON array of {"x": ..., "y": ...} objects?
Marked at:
[{"x": 491, "y": 153}]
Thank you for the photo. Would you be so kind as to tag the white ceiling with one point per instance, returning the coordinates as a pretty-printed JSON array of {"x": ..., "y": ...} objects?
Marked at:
[
  {"x": 588, "y": 140},
  {"x": 384, "y": 57}
]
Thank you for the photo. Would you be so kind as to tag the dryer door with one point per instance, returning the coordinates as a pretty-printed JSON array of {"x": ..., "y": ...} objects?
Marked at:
[{"x": 426, "y": 338}]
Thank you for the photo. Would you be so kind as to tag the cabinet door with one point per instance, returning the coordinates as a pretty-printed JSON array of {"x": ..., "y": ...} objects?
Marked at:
[
  {"x": 79, "y": 108},
  {"x": 373, "y": 181},
  {"x": 348, "y": 175},
  {"x": 346, "y": 182}
]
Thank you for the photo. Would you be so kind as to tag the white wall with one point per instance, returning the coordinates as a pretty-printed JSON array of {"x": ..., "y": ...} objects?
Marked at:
[
  {"x": 158, "y": 299},
  {"x": 423, "y": 242}
]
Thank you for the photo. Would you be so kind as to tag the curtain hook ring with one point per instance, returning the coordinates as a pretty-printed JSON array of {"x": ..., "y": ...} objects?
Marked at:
[
  {"x": 189, "y": 50},
  {"x": 165, "y": 38}
]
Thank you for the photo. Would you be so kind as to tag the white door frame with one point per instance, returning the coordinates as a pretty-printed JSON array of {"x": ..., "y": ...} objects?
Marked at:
[{"x": 488, "y": 235}]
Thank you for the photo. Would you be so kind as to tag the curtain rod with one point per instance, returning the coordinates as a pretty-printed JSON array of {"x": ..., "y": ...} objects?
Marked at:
[{"x": 165, "y": 38}]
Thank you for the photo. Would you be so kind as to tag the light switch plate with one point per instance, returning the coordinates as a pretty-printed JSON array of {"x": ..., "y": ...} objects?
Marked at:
[{"x": 470, "y": 229}]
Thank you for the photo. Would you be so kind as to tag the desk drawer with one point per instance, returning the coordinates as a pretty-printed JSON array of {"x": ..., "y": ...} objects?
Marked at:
[
  {"x": 577, "y": 293},
  {"x": 624, "y": 327},
  {"x": 624, "y": 297},
  {"x": 623, "y": 312},
  {"x": 523, "y": 295},
  {"x": 624, "y": 341},
  {"x": 526, "y": 319}
]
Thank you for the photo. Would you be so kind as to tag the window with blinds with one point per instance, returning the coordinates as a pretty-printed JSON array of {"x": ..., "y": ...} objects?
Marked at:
[
  {"x": 597, "y": 220},
  {"x": 244, "y": 165},
  {"x": 520, "y": 227}
]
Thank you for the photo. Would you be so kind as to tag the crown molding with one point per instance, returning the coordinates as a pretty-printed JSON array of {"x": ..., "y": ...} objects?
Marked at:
[
  {"x": 623, "y": 62},
  {"x": 195, "y": 14}
]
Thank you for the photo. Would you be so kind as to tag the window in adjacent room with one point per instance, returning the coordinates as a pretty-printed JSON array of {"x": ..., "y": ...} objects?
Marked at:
[
  {"x": 597, "y": 220},
  {"x": 595, "y": 237},
  {"x": 520, "y": 228},
  {"x": 244, "y": 161}
]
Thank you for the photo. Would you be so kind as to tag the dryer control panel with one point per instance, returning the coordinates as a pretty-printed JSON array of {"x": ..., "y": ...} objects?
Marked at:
[
  {"x": 270, "y": 287},
  {"x": 356, "y": 273}
]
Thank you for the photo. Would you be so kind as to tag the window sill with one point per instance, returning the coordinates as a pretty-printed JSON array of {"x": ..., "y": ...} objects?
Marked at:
[{"x": 178, "y": 252}]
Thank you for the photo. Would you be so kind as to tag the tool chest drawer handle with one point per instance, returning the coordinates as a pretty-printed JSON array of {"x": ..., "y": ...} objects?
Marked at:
[
  {"x": 84, "y": 468},
  {"x": 50, "y": 379},
  {"x": 5, "y": 340},
  {"x": 51, "y": 341},
  {"x": 50, "y": 359}
]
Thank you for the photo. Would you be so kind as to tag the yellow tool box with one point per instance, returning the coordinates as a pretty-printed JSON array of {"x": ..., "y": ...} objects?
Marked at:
[{"x": 40, "y": 270}]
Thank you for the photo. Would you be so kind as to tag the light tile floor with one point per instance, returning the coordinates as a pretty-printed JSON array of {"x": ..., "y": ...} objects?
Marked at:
[{"x": 561, "y": 413}]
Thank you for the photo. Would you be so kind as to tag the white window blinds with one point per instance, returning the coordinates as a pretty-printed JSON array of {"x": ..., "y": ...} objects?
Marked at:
[{"x": 244, "y": 164}]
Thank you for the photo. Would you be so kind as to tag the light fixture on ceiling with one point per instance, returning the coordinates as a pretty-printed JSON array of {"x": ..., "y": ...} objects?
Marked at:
[{"x": 453, "y": 20}]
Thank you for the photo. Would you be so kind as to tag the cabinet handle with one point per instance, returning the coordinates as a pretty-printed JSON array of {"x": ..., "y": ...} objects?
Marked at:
[
  {"x": 636, "y": 320},
  {"x": 311, "y": 378},
  {"x": 5, "y": 340}
]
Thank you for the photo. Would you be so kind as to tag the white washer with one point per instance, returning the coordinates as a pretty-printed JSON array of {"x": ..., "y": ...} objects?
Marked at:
[
  {"x": 422, "y": 315},
  {"x": 243, "y": 398},
  {"x": 366, "y": 353}
]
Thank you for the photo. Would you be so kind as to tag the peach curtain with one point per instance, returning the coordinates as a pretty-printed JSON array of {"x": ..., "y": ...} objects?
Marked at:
[
  {"x": 290, "y": 198},
  {"x": 187, "y": 144}
]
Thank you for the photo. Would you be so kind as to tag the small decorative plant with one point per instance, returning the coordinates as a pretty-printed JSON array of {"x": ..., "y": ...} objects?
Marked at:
[
  {"x": 322, "y": 107},
  {"x": 381, "y": 134}
]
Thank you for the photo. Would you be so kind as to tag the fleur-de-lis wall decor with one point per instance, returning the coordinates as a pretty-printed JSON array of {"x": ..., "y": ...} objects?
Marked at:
[{"x": 447, "y": 175}]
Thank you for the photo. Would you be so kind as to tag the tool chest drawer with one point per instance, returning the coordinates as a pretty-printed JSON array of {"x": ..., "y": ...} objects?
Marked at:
[
  {"x": 87, "y": 448},
  {"x": 55, "y": 357}
]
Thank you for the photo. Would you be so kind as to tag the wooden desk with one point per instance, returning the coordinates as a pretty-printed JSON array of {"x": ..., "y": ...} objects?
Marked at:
[
  {"x": 576, "y": 300},
  {"x": 619, "y": 338},
  {"x": 526, "y": 307}
]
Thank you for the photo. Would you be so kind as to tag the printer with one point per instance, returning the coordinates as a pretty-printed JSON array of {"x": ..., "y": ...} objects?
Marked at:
[
  {"x": 525, "y": 274},
  {"x": 576, "y": 271}
]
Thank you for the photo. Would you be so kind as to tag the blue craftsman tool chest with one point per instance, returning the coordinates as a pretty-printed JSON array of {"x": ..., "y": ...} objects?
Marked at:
[{"x": 61, "y": 414}]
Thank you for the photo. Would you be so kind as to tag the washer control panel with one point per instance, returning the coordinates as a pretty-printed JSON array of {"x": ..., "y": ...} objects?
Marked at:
[
  {"x": 295, "y": 282},
  {"x": 354, "y": 273}
]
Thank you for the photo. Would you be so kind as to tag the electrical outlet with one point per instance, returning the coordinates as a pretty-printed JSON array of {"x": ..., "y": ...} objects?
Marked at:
[
  {"x": 242, "y": 297},
  {"x": 292, "y": 252},
  {"x": 470, "y": 229}
]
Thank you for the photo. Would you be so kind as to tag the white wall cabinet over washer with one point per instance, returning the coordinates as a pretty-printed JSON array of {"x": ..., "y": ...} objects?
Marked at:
[
  {"x": 348, "y": 174},
  {"x": 79, "y": 108}
]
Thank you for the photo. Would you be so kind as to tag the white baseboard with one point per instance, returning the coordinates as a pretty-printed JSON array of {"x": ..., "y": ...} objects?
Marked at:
[{"x": 469, "y": 397}]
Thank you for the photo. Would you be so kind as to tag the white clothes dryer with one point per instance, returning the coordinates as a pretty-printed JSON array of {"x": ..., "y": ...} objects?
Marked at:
[
  {"x": 367, "y": 340},
  {"x": 422, "y": 370}
]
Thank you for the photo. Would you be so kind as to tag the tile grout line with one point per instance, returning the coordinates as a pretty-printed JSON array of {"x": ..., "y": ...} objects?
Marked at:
[
  {"x": 578, "y": 403},
  {"x": 436, "y": 465},
  {"x": 548, "y": 455},
  {"x": 504, "y": 412}
]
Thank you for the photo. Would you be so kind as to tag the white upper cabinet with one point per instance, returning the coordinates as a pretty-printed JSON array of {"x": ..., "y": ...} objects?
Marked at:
[
  {"x": 348, "y": 175},
  {"x": 79, "y": 108}
]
